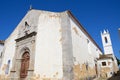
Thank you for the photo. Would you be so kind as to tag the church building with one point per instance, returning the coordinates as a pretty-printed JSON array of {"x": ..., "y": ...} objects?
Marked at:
[
  {"x": 107, "y": 62},
  {"x": 49, "y": 46}
]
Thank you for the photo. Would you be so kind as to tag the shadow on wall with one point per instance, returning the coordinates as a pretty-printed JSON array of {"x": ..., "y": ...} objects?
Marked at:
[{"x": 116, "y": 76}]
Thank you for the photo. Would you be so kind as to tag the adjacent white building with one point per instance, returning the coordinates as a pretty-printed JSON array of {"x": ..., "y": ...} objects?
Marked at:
[{"x": 1, "y": 50}]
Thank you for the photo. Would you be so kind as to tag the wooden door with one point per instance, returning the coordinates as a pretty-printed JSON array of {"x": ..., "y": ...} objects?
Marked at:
[
  {"x": 24, "y": 65},
  {"x": 96, "y": 69}
]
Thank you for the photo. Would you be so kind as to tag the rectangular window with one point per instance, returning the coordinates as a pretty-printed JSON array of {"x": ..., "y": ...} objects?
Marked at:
[{"x": 103, "y": 63}]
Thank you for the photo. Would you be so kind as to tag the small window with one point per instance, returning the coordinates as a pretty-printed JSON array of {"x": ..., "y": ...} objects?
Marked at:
[
  {"x": 7, "y": 68},
  {"x": 103, "y": 63},
  {"x": 1, "y": 54},
  {"x": 106, "y": 41}
]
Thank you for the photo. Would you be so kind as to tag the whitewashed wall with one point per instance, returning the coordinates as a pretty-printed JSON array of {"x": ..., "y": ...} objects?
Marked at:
[
  {"x": 9, "y": 50},
  {"x": 100, "y": 67},
  {"x": 48, "y": 57},
  {"x": 83, "y": 48}
]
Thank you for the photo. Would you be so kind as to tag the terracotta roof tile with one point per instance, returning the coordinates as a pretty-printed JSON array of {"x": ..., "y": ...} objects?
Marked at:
[{"x": 2, "y": 42}]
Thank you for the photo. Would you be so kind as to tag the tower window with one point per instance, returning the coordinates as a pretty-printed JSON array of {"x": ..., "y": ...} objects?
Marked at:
[
  {"x": 106, "y": 41},
  {"x": 103, "y": 63}
]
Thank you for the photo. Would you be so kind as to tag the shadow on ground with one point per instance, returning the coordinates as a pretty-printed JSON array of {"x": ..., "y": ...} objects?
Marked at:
[{"x": 116, "y": 76}]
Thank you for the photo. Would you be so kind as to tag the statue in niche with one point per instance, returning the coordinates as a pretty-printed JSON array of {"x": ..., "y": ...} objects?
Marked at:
[{"x": 27, "y": 27}]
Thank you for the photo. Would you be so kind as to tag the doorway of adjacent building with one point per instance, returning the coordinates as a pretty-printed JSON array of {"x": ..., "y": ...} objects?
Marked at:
[
  {"x": 96, "y": 69},
  {"x": 24, "y": 65}
]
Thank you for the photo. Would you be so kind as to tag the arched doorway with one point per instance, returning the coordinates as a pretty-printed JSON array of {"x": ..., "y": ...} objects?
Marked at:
[{"x": 24, "y": 65}]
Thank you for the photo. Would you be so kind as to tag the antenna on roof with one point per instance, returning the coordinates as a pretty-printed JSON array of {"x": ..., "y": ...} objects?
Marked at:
[{"x": 119, "y": 34}]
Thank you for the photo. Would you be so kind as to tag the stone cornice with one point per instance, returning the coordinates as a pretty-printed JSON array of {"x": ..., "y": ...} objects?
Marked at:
[{"x": 26, "y": 36}]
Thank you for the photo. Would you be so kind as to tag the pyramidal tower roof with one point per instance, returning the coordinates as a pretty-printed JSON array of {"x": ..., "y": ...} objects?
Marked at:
[{"x": 104, "y": 31}]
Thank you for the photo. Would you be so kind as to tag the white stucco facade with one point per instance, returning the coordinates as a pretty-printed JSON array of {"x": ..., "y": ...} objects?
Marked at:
[
  {"x": 106, "y": 68},
  {"x": 55, "y": 42},
  {"x": 106, "y": 40},
  {"x": 48, "y": 58},
  {"x": 84, "y": 50}
]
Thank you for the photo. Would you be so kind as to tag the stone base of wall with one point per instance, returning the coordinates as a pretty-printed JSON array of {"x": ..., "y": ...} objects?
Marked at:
[
  {"x": 82, "y": 73},
  {"x": 7, "y": 77},
  {"x": 104, "y": 72},
  {"x": 4, "y": 77}
]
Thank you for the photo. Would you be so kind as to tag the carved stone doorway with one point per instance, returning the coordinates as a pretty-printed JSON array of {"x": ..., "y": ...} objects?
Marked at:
[{"x": 24, "y": 65}]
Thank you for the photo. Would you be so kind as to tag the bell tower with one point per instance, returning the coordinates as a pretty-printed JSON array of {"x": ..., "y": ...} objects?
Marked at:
[{"x": 106, "y": 41}]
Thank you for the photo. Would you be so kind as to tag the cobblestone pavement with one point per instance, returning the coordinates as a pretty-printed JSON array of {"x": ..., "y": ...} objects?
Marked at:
[{"x": 114, "y": 78}]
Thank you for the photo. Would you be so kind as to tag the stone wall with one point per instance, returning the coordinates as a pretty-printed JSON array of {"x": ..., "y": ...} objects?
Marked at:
[
  {"x": 104, "y": 72},
  {"x": 82, "y": 72}
]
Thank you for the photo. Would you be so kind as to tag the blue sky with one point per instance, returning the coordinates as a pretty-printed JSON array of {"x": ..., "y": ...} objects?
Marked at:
[{"x": 94, "y": 15}]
